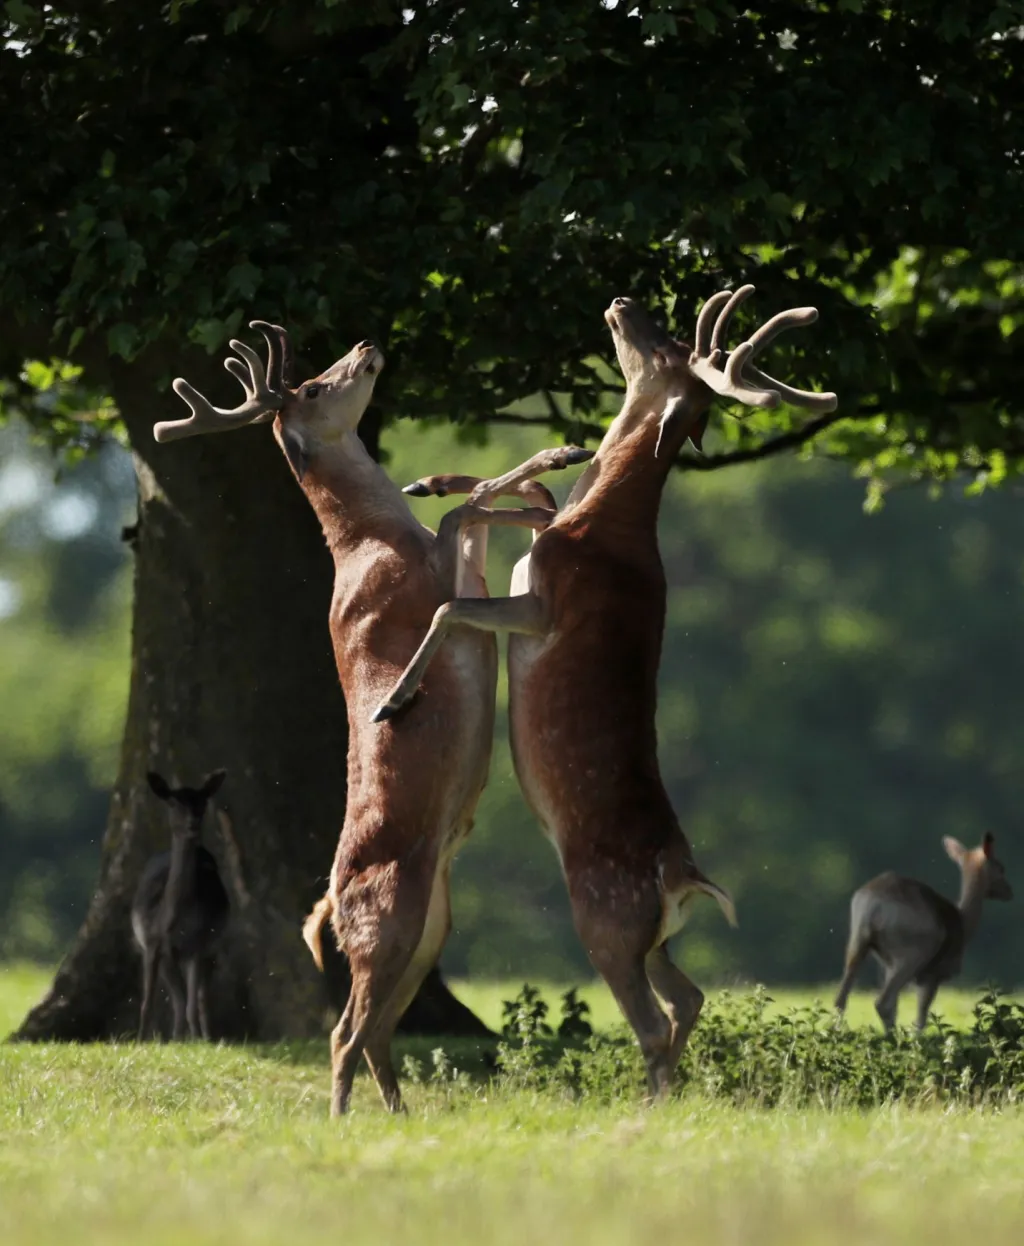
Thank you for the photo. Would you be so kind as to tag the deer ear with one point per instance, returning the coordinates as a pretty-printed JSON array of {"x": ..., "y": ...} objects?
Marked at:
[
  {"x": 988, "y": 843},
  {"x": 212, "y": 782},
  {"x": 954, "y": 849},
  {"x": 159, "y": 785}
]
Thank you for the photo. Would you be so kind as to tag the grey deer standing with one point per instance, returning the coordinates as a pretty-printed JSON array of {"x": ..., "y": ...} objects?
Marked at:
[
  {"x": 180, "y": 910},
  {"x": 917, "y": 935}
]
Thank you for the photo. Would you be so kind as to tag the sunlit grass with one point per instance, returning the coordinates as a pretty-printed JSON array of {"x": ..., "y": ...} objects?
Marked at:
[
  {"x": 182, "y": 1143},
  {"x": 168, "y": 1144},
  {"x": 21, "y": 986}
]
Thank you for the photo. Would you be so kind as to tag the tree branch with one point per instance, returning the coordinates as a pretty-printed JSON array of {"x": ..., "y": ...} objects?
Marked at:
[{"x": 767, "y": 449}]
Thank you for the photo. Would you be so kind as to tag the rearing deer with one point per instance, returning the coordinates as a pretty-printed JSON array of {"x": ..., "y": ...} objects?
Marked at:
[
  {"x": 586, "y": 628},
  {"x": 916, "y": 934},
  {"x": 412, "y": 787}
]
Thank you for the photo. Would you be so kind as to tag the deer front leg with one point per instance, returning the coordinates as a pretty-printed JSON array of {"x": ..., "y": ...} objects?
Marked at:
[
  {"x": 470, "y": 547},
  {"x": 447, "y": 553},
  {"x": 524, "y": 614},
  {"x": 519, "y": 482}
]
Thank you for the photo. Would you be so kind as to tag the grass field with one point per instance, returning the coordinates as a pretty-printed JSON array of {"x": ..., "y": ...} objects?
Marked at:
[{"x": 196, "y": 1144}]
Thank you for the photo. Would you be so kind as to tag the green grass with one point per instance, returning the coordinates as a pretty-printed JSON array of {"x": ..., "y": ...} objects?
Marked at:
[
  {"x": 167, "y": 1144},
  {"x": 21, "y": 986},
  {"x": 170, "y": 1144}
]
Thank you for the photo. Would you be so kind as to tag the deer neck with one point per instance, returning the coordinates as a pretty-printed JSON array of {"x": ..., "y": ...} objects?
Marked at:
[
  {"x": 972, "y": 898},
  {"x": 181, "y": 877},
  {"x": 627, "y": 476},
  {"x": 351, "y": 494}
]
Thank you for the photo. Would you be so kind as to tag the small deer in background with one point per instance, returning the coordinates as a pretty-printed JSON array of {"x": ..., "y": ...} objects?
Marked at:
[
  {"x": 180, "y": 910},
  {"x": 917, "y": 935}
]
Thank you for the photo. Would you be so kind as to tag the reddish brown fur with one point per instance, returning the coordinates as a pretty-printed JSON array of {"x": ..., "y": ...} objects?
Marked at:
[
  {"x": 585, "y": 644},
  {"x": 412, "y": 785}
]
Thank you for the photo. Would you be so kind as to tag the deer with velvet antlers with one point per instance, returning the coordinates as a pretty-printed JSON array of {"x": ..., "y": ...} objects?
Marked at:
[
  {"x": 586, "y": 620},
  {"x": 413, "y": 786}
]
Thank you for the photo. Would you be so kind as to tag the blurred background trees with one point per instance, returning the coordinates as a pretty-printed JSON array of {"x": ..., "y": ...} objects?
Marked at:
[
  {"x": 471, "y": 184},
  {"x": 838, "y": 692}
]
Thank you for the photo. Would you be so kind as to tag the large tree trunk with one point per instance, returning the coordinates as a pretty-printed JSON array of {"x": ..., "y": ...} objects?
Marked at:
[{"x": 231, "y": 666}]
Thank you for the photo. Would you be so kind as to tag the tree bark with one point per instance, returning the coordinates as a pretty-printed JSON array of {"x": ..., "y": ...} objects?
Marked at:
[{"x": 231, "y": 667}]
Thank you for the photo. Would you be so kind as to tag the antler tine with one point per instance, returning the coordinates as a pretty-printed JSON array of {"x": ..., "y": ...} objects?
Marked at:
[
  {"x": 279, "y": 353},
  {"x": 241, "y": 374},
  {"x": 722, "y": 323},
  {"x": 739, "y": 379},
  {"x": 261, "y": 402},
  {"x": 779, "y": 323},
  {"x": 822, "y": 403},
  {"x": 702, "y": 338}
]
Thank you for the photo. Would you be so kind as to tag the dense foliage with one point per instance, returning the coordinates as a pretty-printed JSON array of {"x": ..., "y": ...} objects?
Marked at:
[
  {"x": 471, "y": 183},
  {"x": 799, "y": 1057}
]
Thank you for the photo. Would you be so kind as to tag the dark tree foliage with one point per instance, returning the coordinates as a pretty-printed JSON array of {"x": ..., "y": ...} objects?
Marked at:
[{"x": 471, "y": 182}]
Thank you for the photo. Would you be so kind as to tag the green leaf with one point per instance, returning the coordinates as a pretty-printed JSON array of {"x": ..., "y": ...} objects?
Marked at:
[{"x": 122, "y": 339}]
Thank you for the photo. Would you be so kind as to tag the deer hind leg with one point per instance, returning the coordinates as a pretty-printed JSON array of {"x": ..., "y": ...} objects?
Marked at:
[
  {"x": 203, "y": 997},
  {"x": 855, "y": 954},
  {"x": 175, "y": 982},
  {"x": 617, "y": 919},
  {"x": 926, "y": 992},
  {"x": 192, "y": 978},
  {"x": 384, "y": 928},
  {"x": 150, "y": 969},
  {"x": 378, "y": 1045},
  {"x": 897, "y": 975},
  {"x": 683, "y": 998},
  {"x": 626, "y": 975},
  {"x": 524, "y": 614}
]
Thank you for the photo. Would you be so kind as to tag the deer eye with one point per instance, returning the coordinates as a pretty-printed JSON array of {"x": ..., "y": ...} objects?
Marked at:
[{"x": 312, "y": 391}]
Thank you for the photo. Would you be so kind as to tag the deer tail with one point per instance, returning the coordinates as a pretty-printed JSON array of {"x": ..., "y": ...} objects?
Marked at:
[
  {"x": 313, "y": 928},
  {"x": 725, "y": 901}
]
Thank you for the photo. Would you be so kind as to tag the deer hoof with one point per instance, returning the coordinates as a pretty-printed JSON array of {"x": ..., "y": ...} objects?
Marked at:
[
  {"x": 383, "y": 712},
  {"x": 578, "y": 455},
  {"x": 416, "y": 490}
]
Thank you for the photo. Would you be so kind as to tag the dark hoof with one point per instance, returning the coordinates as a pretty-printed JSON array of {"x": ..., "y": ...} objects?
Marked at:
[
  {"x": 417, "y": 490},
  {"x": 578, "y": 455},
  {"x": 384, "y": 712}
]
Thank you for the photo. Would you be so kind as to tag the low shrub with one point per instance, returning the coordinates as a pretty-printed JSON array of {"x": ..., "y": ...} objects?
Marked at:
[{"x": 805, "y": 1055}]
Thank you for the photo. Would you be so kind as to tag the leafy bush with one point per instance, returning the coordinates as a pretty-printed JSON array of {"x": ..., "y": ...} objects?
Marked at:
[{"x": 804, "y": 1055}]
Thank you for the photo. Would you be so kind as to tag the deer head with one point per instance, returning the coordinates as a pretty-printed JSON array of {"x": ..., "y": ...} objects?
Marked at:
[
  {"x": 187, "y": 804},
  {"x": 306, "y": 418},
  {"x": 678, "y": 383},
  {"x": 980, "y": 870}
]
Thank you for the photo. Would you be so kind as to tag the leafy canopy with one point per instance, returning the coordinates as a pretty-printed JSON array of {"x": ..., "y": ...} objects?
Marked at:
[{"x": 471, "y": 183}]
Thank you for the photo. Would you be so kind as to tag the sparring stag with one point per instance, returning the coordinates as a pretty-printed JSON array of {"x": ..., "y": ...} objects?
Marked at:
[
  {"x": 413, "y": 786},
  {"x": 586, "y": 621}
]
